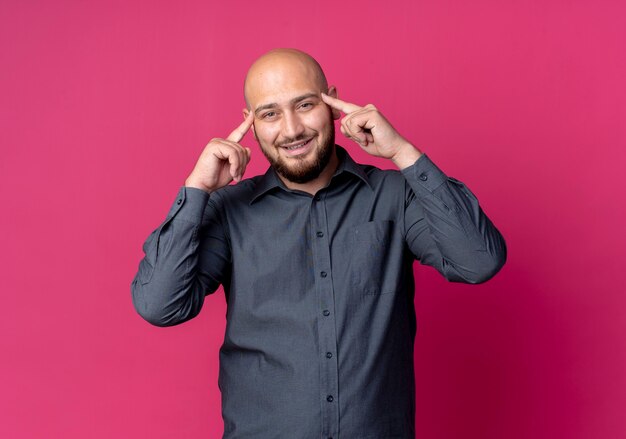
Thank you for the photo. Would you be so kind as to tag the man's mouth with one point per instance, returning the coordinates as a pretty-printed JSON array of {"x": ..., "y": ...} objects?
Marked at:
[{"x": 298, "y": 148}]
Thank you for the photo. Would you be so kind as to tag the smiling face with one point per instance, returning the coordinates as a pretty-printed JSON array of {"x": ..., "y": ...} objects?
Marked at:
[{"x": 292, "y": 125}]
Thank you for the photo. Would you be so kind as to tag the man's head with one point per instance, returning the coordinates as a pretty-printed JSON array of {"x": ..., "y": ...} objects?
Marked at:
[{"x": 292, "y": 125}]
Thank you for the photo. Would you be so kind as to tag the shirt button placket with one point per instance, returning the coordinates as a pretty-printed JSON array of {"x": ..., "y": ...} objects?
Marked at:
[{"x": 326, "y": 329}]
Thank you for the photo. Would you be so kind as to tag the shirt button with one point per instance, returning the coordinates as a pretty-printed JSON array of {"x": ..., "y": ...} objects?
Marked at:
[
  {"x": 320, "y": 234},
  {"x": 317, "y": 198},
  {"x": 329, "y": 355},
  {"x": 323, "y": 274},
  {"x": 423, "y": 176},
  {"x": 330, "y": 398},
  {"x": 179, "y": 201},
  {"x": 326, "y": 312}
]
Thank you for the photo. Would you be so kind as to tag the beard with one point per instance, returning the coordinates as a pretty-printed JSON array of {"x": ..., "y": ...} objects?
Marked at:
[{"x": 304, "y": 170}]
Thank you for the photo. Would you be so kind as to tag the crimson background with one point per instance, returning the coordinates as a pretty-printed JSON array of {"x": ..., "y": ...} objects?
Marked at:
[{"x": 105, "y": 107}]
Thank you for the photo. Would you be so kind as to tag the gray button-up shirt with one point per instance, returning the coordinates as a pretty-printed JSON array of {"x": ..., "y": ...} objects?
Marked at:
[{"x": 320, "y": 317}]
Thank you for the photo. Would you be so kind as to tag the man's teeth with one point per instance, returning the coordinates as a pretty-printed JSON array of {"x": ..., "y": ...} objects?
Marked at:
[{"x": 299, "y": 145}]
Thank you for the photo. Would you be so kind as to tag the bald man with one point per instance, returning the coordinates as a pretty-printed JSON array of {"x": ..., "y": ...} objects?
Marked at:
[{"x": 315, "y": 257}]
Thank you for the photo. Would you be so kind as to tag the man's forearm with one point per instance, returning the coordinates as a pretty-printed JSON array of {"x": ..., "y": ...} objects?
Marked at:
[
  {"x": 166, "y": 290},
  {"x": 467, "y": 246}
]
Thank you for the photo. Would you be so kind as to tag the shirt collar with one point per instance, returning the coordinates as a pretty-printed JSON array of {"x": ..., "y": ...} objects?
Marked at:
[{"x": 270, "y": 179}]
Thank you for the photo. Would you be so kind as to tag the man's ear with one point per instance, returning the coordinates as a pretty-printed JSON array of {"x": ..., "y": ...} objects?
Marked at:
[
  {"x": 332, "y": 92},
  {"x": 245, "y": 114}
]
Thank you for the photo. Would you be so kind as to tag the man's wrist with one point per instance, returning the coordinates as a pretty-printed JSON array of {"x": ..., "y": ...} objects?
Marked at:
[
  {"x": 406, "y": 156},
  {"x": 193, "y": 184}
]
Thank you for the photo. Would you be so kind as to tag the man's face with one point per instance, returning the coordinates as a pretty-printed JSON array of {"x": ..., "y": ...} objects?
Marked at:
[{"x": 292, "y": 125}]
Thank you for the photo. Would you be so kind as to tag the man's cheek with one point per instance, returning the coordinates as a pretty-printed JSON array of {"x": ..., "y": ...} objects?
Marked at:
[{"x": 264, "y": 136}]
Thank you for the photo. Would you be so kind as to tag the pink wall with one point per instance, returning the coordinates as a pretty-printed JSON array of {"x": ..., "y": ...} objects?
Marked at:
[{"x": 104, "y": 108}]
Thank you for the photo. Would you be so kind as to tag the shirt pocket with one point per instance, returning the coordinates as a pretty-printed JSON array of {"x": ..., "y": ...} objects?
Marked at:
[{"x": 369, "y": 256}]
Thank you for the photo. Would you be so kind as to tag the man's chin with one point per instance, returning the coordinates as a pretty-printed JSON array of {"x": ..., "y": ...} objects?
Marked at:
[
  {"x": 303, "y": 169},
  {"x": 299, "y": 174}
]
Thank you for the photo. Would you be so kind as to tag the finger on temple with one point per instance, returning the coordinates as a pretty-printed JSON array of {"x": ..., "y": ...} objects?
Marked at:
[
  {"x": 242, "y": 129},
  {"x": 340, "y": 105}
]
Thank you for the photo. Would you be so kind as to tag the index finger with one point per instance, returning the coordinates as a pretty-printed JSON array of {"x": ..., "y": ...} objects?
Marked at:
[
  {"x": 242, "y": 129},
  {"x": 340, "y": 105}
]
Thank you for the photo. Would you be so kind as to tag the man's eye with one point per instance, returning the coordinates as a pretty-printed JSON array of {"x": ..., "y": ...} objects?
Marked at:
[
  {"x": 269, "y": 115},
  {"x": 306, "y": 105}
]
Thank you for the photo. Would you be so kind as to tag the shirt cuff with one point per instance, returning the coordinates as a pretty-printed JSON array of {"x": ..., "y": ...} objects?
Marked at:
[
  {"x": 424, "y": 174},
  {"x": 189, "y": 204}
]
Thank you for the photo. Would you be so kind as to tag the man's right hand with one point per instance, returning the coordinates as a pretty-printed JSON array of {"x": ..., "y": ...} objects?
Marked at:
[{"x": 222, "y": 161}]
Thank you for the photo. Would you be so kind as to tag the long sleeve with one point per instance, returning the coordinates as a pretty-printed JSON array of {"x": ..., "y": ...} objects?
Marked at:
[
  {"x": 447, "y": 229},
  {"x": 185, "y": 258}
]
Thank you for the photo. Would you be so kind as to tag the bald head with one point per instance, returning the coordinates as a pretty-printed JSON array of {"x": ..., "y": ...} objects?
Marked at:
[{"x": 277, "y": 69}]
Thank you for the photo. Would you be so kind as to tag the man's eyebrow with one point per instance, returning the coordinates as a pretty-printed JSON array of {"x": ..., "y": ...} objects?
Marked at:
[
  {"x": 303, "y": 97},
  {"x": 293, "y": 101}
]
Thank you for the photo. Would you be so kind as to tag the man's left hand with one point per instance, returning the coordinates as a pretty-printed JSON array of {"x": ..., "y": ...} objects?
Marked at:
[{"x": 369, "y": 128}]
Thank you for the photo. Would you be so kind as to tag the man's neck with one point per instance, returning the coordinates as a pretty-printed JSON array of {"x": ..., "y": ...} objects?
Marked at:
[{"x": 318, "y": 183}]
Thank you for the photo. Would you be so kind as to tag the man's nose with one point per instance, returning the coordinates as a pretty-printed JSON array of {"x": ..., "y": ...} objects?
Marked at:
[{"x": 292, "y": 126}]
